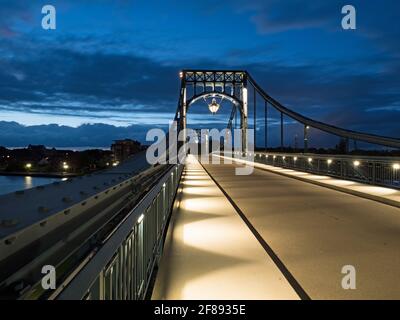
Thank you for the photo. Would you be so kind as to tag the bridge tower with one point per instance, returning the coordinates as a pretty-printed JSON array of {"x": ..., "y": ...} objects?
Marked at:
[{"x": 209, "y": 84}]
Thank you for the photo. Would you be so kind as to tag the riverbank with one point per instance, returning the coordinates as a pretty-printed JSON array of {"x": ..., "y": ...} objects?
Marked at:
[{"x": 40, "y": 174}]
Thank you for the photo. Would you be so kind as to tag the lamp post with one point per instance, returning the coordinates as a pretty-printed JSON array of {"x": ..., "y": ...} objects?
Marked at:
[{"x": 306, "y": 128}]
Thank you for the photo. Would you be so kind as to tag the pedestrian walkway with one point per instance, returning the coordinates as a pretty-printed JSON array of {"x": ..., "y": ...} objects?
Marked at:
[{"x": 210, "y": 253}]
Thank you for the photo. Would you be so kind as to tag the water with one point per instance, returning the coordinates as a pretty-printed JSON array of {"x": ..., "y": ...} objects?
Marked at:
[
  {"x": 68, "y": 148},
  {"x": 14, "y": 183}
]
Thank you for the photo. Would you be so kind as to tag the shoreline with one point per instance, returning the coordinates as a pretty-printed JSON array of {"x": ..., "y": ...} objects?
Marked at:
[{"x": 40, "y": 174}]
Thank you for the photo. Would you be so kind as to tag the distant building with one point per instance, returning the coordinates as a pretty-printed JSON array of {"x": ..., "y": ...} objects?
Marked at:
[
  {"x": 122, "y": 149},
  {"x": 37, "y": 148}
]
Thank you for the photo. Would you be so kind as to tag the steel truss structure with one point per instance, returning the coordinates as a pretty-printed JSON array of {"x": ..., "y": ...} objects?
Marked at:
[{"x": 233, "y": 85}]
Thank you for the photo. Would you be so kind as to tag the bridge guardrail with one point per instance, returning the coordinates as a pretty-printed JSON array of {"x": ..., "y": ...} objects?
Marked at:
[
  {"x": 381, "y": 171},
  {"x": 121, "y": 268}
]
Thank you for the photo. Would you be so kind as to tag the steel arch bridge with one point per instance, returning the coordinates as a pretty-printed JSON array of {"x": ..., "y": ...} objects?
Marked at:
[
  {"x": 234, "y": 85},
  {"x": 105, "y": 233}
]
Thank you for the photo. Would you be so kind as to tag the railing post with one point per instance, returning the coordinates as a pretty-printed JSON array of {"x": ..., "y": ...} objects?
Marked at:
[
  {"x": 373, "y": 172},
  {"x": 282, "y": 131},
  {"x": 255, "y": 118},
  {"x": 266, "y": 126},
  {"x": 305, "y": 138}
]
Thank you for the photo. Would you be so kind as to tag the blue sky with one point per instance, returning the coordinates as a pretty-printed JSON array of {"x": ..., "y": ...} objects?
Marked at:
[{"x": 117, "y": 62}]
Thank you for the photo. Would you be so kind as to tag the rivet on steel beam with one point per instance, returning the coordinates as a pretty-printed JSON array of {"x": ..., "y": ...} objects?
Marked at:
[
  {"x": 10, "y": 240},
  {"x": 43, "y": 209}
]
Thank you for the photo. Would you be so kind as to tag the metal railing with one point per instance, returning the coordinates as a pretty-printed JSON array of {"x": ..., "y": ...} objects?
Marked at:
[
  {"x": 383, "y": 171},
  {"x": 122, "y": 266}
]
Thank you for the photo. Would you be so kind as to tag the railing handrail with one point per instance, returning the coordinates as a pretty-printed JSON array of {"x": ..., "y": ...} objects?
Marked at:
[
  {"x": 79, "y": 285},
  {"x": 332, "y": 156}
]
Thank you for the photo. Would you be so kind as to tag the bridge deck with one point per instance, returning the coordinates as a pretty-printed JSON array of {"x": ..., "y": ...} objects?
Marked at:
[
  {"x": 210, "y": 253},
  {"x": 315, "y": 231}
]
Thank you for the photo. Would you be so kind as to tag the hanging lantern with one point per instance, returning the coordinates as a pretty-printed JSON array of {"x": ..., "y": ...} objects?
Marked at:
[{"x": 213, "y": 106}]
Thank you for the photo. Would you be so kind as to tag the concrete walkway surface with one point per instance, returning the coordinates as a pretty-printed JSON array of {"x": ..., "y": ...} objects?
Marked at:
[{"x": 210, "y": 253}]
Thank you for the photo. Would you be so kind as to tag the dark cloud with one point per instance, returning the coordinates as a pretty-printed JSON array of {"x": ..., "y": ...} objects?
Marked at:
[
  {"x": 98, "y": 75},
  {"x": 15, "y": 135}
]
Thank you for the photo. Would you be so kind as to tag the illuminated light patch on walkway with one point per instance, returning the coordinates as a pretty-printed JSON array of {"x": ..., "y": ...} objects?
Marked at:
[
  {"x": 203, "y": 204},
  {"x": 196, "y": 183},
  {"x": 203, "y": 191},
  {"x": 376, "y": 190}
]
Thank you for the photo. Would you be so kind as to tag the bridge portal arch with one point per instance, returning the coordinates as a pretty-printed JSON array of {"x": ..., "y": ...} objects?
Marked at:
[{"x": 229, "y": 84}]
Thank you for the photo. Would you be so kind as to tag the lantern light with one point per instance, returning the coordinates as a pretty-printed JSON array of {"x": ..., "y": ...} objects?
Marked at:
[{"x": 213, "y": 106}]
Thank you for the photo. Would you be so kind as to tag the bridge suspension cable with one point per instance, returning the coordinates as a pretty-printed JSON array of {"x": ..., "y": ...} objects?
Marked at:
[{"x": 345, "y": 133}]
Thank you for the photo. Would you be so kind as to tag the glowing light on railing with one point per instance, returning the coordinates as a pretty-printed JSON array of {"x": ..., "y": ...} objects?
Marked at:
[
  {"x": 274, "y": 157},
  {"x": 396, "y": 166},
  {"x": 283, "y": 158},
  {"x": 310, "y": 160},
  {"x": 181, "y": 74},
  {"x": 356, "y": 163},
  {"x": 295, "y": 158},
  {"x": 28, "y": 165},
  {"x": 329, "y": 161},
  {"x": 164, "y": 185},
  {"x": 140, "y": 218}
]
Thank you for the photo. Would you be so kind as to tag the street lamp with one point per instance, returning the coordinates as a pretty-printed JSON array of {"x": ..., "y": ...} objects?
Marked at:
[
  {"x": 28, "y": 166},
  {"x": 213, "y": 106}
]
